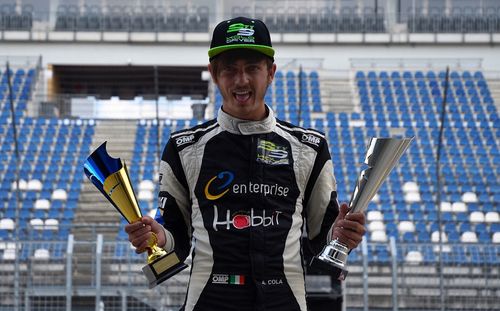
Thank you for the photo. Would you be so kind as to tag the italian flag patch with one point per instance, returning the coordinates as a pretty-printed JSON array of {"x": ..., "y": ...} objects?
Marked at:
[{"x": 237, "y": 279}]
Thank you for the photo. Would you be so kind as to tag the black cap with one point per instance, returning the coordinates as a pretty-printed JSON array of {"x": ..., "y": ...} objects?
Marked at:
[{"x": 241, "y": 33}]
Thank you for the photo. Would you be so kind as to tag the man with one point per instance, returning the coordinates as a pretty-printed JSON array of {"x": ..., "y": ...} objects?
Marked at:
[{"x": 239, "y": 188}]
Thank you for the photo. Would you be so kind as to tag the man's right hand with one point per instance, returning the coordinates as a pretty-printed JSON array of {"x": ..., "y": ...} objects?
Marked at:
[{"x": 140, "y": 232}]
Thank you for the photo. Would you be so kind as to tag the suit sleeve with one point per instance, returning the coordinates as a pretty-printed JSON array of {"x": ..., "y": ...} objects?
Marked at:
[
  {"x": 320, "y": 200},
  {"x": 174, "y": 208}
]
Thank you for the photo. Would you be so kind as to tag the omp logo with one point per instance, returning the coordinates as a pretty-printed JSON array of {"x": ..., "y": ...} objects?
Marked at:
[
  {"x": 220, "y": 279},
  {"x": 184, "y": 139},
  {"x": 242, "y": 29},
  {"x": 221, "y": 182},
  {"x": 228, "y": 279},
  {"x": 310, "y": 138}
]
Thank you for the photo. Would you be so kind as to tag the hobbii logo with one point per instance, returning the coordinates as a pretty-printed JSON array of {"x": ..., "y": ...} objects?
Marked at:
[{"x": 242, "y": 220}]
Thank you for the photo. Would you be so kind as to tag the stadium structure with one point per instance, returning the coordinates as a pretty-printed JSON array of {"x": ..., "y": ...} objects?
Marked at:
[{"x": 76, "y": 73}]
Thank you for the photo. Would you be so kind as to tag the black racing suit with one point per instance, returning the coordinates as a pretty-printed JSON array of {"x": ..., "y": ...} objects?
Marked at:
[{"x": 239, "y": 193}]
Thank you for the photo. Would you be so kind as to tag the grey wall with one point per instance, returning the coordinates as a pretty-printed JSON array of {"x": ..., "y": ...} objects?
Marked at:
[{"x": 334, "y": 56}]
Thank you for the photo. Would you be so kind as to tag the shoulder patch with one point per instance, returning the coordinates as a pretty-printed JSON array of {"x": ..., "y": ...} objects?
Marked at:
[
  {"x": 186, "y": 137},
  {"x": 310, "y": 137}
]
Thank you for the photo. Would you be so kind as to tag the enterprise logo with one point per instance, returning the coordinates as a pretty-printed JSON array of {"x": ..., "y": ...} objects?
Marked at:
[
  {"x": 225, "y": 179},
  {"x": 221, "y": 183}
]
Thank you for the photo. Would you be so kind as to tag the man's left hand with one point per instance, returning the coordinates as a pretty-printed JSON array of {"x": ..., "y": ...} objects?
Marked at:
[{"x": 349, "y": 228}]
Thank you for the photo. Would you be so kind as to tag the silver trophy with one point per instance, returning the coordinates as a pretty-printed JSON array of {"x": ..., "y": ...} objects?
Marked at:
[{"x": 381, "y": 157}]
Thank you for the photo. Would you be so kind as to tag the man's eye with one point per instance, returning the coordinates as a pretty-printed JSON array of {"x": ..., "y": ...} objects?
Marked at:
[{"x": 228, "y": 69}]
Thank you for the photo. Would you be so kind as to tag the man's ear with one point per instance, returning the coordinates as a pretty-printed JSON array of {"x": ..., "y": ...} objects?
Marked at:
[
  {"x": 212, "y": 73},
  {"x": 272, "y": 72}
]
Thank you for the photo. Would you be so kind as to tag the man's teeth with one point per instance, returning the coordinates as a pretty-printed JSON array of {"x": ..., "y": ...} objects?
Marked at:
[{"x": 242, "y": 96}]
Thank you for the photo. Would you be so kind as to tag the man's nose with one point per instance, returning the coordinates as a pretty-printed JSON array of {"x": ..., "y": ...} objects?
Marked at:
[{"x": 241, "y": 78}]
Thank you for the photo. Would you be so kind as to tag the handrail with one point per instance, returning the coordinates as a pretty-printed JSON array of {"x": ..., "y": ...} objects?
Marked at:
[
  {"x": 98, "y": 274},
  {"x": 69, "y": 270}
]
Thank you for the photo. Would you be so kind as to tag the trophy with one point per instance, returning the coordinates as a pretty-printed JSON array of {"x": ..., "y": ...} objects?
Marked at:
[
  {"x": 111, "y": 177},
  {"x": 381, "y": 157}
]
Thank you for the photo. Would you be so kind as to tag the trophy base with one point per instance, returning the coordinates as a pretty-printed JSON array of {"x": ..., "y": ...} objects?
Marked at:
[
  {"x": 162, "y": 269},
  {"x": 334, "y": 270}
]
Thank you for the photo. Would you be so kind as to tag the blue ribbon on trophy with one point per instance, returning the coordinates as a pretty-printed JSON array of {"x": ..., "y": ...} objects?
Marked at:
[{"x": 111, "y": 177}]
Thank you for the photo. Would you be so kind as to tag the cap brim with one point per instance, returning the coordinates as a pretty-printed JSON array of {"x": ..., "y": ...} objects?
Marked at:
[{"x": 264, "y": 49}]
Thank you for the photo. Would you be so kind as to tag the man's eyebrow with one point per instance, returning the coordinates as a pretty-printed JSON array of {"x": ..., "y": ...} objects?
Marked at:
[
  {"x": 227, "y": 64},
  {"x": 253, "y": 62},
  {"x": 247, "y": 63}
]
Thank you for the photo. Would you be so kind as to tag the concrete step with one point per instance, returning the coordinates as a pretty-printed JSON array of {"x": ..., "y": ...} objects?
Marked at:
[
  {"x": 336, "y": 93},
  {"x": 107, "y": 214},
  {"x": 95, "y": 215},
  {"x": 91, "y": 235},
  {"x": 494, "y": 87}
]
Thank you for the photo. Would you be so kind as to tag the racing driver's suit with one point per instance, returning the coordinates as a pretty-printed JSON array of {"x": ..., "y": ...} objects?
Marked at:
[{"x": 240, "y": 191}]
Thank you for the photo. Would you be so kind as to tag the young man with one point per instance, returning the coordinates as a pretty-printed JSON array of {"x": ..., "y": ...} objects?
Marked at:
[{"x": 239, "y": 188}]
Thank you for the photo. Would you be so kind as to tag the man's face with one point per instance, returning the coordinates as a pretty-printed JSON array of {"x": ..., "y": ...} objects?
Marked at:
[{"x": 243, "y": 84}]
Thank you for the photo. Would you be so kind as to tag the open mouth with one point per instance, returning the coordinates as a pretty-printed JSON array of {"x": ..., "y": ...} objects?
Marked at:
[{"x": 242, "y": 96}]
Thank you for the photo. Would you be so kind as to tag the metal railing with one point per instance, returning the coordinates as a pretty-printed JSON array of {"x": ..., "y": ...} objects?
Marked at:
[
  {"x": 144, "y": 106},
  {"x": 288, "y": 16},
  {"x": 107, "y": 273}
]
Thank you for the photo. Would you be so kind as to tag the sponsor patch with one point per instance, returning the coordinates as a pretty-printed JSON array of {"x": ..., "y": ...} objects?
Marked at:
[
  {"x": 222, "y": 181},
  {"x": 271, "y": 153},
  {"x": 162, "y": 201},
  {"x": 245, "y": 33},
  {"x": 311, "y": 139},
  {"x": 182, "y": 140},
  {"x": 228, "y": 279},
  {"x": 242, "y": 220}
]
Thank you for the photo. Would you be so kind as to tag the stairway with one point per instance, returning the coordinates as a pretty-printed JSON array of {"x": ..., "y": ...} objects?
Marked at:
[
  {"x": 337, "y": 92},
  {"x": 95, "y": 215},
  {"x": 494, "y": 87},
  {"x": 93, "y": 208}
]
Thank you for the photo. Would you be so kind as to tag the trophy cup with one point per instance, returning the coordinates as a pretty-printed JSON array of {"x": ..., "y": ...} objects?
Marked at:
[
  {"x": 381, "y": 157},
  {"x": 111, "y": 177}
]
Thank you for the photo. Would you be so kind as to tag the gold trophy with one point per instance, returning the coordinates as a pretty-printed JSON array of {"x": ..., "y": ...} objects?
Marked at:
[{"x": 111, "y": 177}]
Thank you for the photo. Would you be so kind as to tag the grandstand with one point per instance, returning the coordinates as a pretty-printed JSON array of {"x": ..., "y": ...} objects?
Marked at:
[{"x": 132, "y": 72}]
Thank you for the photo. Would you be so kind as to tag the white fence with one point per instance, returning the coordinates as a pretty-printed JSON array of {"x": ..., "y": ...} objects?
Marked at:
[{"x": 106, "y": 275}]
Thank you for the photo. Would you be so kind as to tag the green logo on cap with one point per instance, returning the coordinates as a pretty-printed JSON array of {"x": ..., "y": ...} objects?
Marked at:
[
  {"x": 244, "y": 35},
  {"x": 242, "y": 29}
]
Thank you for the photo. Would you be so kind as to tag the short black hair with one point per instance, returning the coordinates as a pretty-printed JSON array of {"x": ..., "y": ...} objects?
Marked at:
[{"x": 232, "y": 56}]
